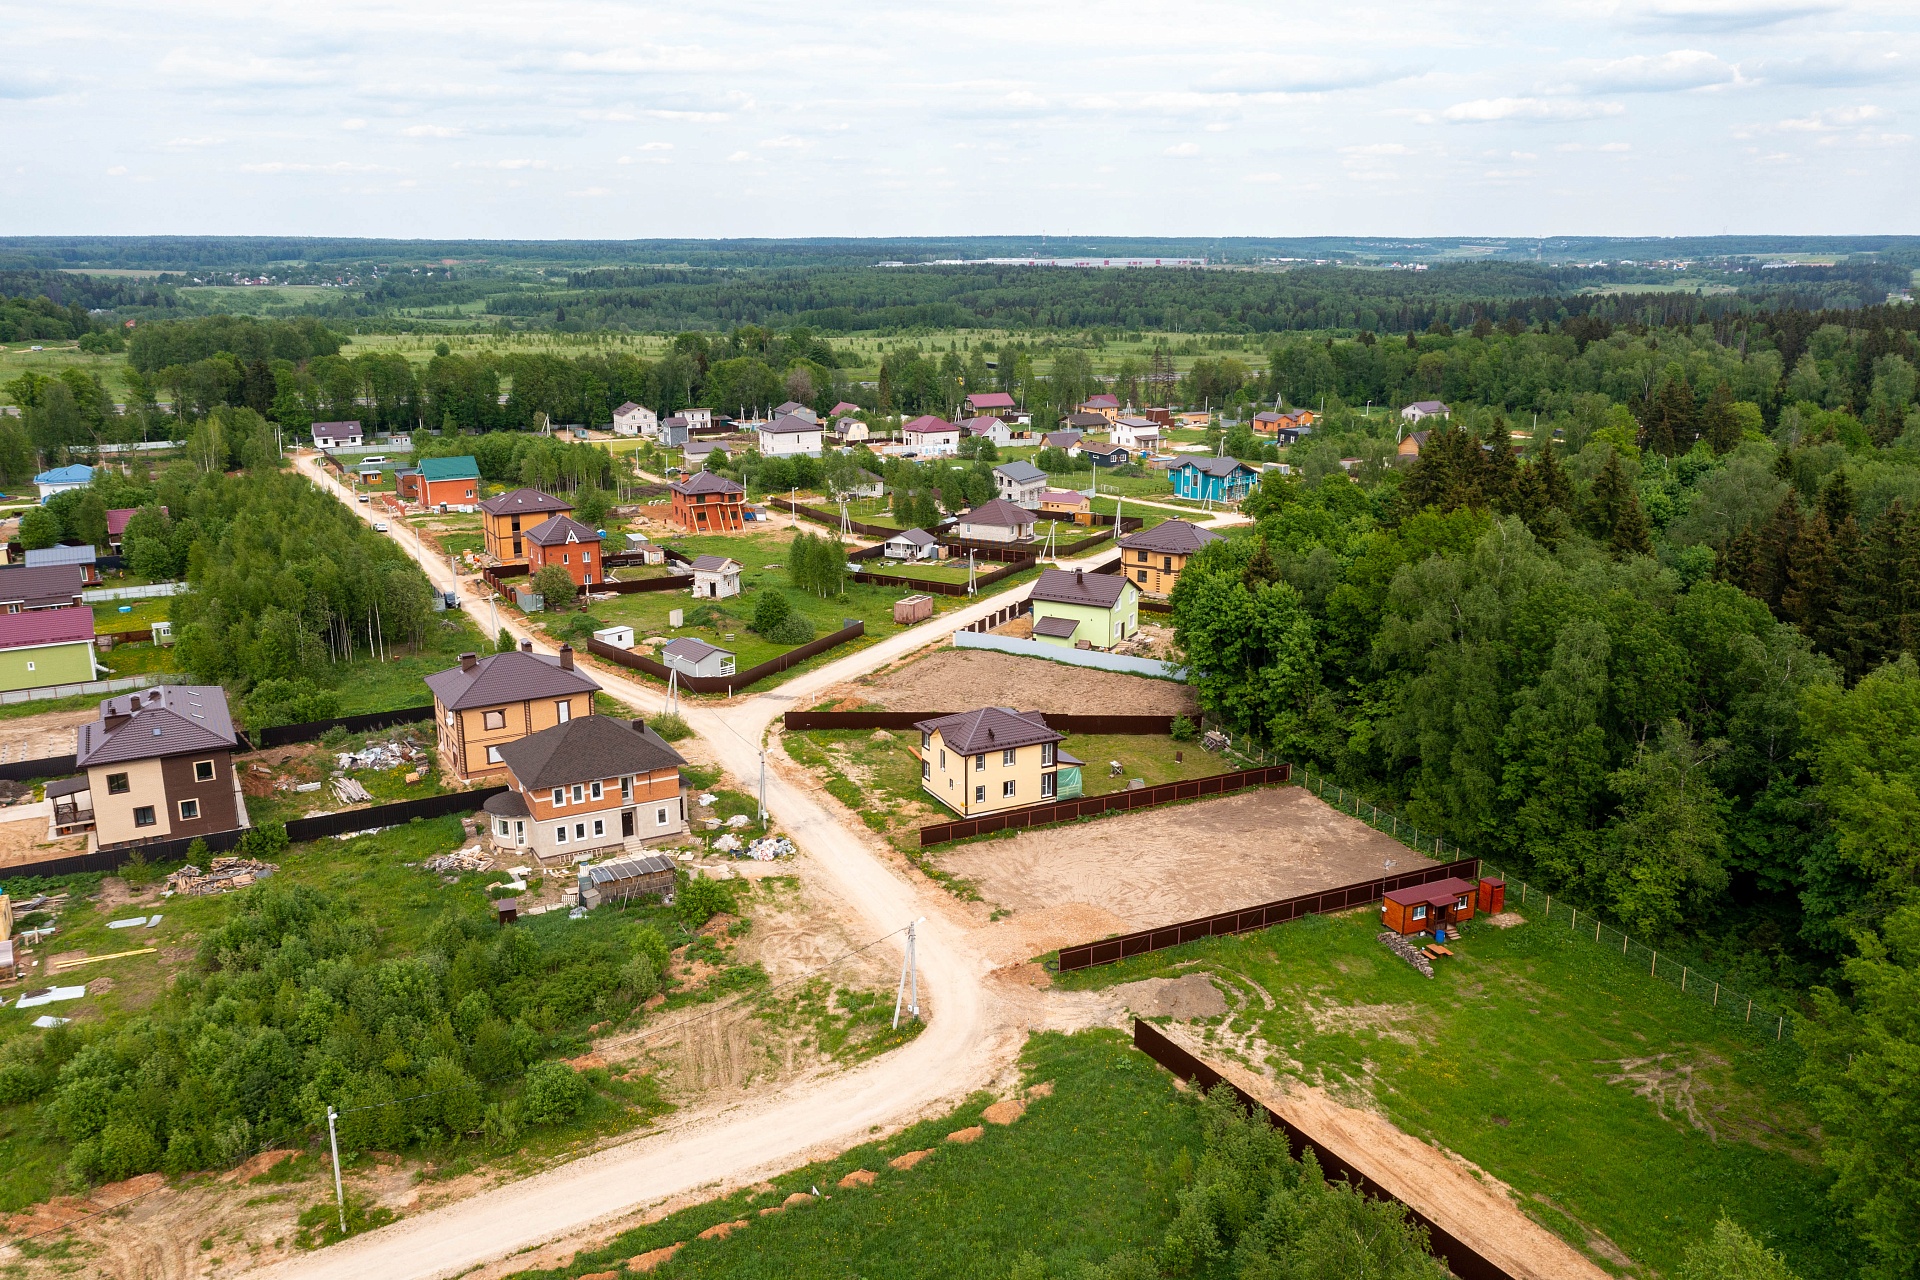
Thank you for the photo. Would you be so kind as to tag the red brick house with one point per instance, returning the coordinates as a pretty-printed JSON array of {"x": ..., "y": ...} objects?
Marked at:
[
  {"x": 568, "y": 543},
  {"x": 709, "y": 503}
]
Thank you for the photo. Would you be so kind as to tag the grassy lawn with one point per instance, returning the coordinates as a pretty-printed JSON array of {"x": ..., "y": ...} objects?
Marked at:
[
  {"x": 1551, "y": 1063},
  {"x": 724, "y": 622},
  {"x": 137, "y": 659},
  {"x": 370, "y": 685},
  {"x": 140, "y": 615},
  {"x": 1090, "y": 1169}
]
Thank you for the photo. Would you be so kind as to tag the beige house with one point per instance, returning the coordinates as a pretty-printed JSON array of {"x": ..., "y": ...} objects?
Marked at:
[
  {"x": 591, "y": 788},
  {"x": 484, "y": 704},
  {"x": 159, "y": 766},
  {"x": 991, "y": 759}
]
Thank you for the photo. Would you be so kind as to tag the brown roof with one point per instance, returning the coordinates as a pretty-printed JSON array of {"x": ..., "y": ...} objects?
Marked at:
[
  {"x": 1434, "y": 893},
  {"x": 1174, "y": 537},
  {"x": 714, "y": 564},
  {"x": 587, "y": 748},
  {"x": 42, "y": 585},
  {"x": 168, "y": 720},
  {"x": 998, "y": 512},
  {"x": 520, "y": 501},
  {"x": 1077, "y": 586},
  {"x": 1058, "y": 628},
  {"x": 1086, "y": 420},
  {"x": 989, "y": 729},
  {"x": 707, "y": 482},
  {"x": 788, "y": 425},
  {"x": 507, "y": 677},
  {"x": 561, "y": 529},
  {"x": 928, "y": 424}
]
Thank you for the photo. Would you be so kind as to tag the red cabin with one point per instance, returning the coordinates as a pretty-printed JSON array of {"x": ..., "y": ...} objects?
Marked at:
[{"x": 1425, "y": 906}]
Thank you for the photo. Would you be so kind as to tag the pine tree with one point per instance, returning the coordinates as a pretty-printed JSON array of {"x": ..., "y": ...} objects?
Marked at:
[
  {"x": 1630, "y": 535},
  {"x": 1498, "y": 469},
  {"x": 1771, "y": 558},
  {"x": 1554, "y": 481},
  {"x": 1836, "y": 499},
  {"x": 1261, "y": 571},
  {"x": 1670, "y": 422},
  {"x": 1813, "y": 578},
  {"x": 1446, "y": 474},
  {"x": 1613, "y": 513},
  {"x": 1717, "y": 421}
]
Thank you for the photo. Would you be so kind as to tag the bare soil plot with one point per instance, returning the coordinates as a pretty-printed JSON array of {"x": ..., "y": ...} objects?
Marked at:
[
  {"x": 34, "y": 737},
  {"x": 960, "y": 679},
  {"x": 1180, "y": 862}
]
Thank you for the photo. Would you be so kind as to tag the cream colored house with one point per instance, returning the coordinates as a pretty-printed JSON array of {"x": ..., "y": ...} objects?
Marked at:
[
  {"x": 484, "y": 704},
  {"x": 991, "y": 759}
]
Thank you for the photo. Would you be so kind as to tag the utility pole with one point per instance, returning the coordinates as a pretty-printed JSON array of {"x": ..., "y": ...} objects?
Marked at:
[
  {"x": 763, "y": 784},
  {"x": 909, "y": 990},
  {"x": 339, "y": 1196}
]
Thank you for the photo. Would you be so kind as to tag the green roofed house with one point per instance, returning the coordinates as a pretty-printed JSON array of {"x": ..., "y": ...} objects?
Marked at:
[
  {"x": 1077, "y": 609},
  {"x": 450, "y": 484},
  {"x": 46, "y": 647}
]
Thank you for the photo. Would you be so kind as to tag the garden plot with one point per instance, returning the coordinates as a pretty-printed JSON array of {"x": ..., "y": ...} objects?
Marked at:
[{"x": 962, "y": 679}]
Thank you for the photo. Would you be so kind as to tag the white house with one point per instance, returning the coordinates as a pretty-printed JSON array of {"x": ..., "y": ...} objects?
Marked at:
[
  {"x": 1137, "y": 434},
  {"x": 850, "y": 430},
  {"x": 794, "y": 409},
  {"x": 336, "y": 435},
  {"x": 914, "y": 544},
  {"x": 691, "y": 657},
  {"x": 868, "y": 486},
  {"x": 995, "y": 521},
  {"x": 620, "y": 637},
  {"x": 715, "y": 578},
  {"x": 994, "y": 429},
  {"x": 632, "y": 419},
  {"x": 1422, "y": 409},
  {"x": 931, "y": 436},
  {"x": 698, "y": 419},
  {"x": 788, "y": 436},
  {"x": 1021, "y": 483},
  {"x": 62, "y": 479}
]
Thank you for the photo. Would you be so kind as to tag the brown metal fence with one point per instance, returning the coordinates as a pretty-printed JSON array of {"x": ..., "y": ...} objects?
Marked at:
[
  {"x": 1461, "y": 1258},
  {"x": 1046, "y": 815},
  {"x": 1252, "y": 919},
  {"x": 739, "y": 680},
  {"x": 907, "y": 719},
  {"x": 981, "y": 581},
  {"x": 999, "y": 617}
]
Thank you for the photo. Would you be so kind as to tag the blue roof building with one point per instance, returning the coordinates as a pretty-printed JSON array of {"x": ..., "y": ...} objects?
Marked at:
[
  {"x": 1214, "y": 479},
  {"x": 62, "y": 479}
]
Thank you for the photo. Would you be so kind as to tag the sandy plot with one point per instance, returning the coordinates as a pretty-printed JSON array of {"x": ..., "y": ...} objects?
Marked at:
[
  {"x": 50, "y": 734},
  {"x": 958, "y": 679},
  {"x": 1183, "y": 861}
]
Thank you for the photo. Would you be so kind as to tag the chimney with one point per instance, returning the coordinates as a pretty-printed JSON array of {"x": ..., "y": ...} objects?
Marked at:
[
  {"x": 1079, "y": 577},
  {"x": 526, "y": 646},
  {"x": 566, "y": 657},
  {"x": 468, "y": 661}
]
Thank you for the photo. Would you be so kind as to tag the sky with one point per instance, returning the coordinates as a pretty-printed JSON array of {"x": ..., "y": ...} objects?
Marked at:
[{"x": 595, "y": 119}]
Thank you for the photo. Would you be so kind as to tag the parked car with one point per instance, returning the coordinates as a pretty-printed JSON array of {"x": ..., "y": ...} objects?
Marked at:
[
  {"x": 379, "y": 526},
  {"x": 366, "y": 497}
]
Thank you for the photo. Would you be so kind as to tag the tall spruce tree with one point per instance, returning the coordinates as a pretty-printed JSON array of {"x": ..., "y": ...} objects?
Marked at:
[{"x": 1613, "y": 514}]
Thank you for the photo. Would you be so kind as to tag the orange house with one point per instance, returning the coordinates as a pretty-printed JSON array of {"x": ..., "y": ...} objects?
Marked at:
[
  {"x": 568, "y": 543},
  {"x": 1427, "y": 906},
  {"x": 505, "y": 520},
  {"x": 453, "y": 483},
  {"x": 709, "y": 503}
]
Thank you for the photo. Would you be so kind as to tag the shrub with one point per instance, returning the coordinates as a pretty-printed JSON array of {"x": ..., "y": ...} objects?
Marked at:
[
  {"x": 769, "y": 611},
  {"x": 504, "y": 642},
  {"x": 640, "y": 978},
  {"x": 555, "y": 588},
  {"x": 580, "y": 628},
  {"x": 648, "y": 942},
  {"x": 670, "y": 726},
  {"x": 1182, "y": 730},
  {"x": 555, "y": 1092},
  {"x": 289, "y": 701},
  {"x": 793, "y": 629},
  {"x": 700, "y": 898}
]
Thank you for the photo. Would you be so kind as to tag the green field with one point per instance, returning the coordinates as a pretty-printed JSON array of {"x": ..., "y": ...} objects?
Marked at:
[
  {"x": 1091, "y": 1168},
  {"x": 1614, "y": 1105}
]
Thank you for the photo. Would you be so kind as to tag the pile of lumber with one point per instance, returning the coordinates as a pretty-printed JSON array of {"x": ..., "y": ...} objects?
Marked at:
[{"x": 226, "y": 874}]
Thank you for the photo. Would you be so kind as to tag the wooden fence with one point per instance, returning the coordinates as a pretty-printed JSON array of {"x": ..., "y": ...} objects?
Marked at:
[
  {"x": 907, "y": 719},
  {"x": 1461, "y": 1258},
  {"x": 981, "y": 581},
  {"x": 728, "y": 685},
  {"x": 1251, "y": 919},
  {"x": 1046, "y": 815}
]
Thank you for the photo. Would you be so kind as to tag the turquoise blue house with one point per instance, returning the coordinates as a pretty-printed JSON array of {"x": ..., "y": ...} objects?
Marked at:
[
  {"x": 62, "y": 479},
  {"x": 1214, "y": 479}
]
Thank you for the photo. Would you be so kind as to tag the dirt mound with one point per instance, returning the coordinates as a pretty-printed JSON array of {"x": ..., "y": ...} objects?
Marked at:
[
  {"x": 1005, "y": 1111},
  {"x": 969, "y": 1134},
  {"x": 956, "y": 679},
  {"x": 721, "y": 1230},
  {"x": 858, "y": 1178},
  {"x": 1192, "y": 996},
  {"x": 257, "y": 1165},
  {"x": 652, "y": 1258},
  {"x": 910, "y": 1159}
]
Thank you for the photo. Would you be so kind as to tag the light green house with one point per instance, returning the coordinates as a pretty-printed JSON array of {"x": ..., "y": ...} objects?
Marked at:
[
  {"x": 45, "y": 647},
  {"x": 1072, "y": 605}
]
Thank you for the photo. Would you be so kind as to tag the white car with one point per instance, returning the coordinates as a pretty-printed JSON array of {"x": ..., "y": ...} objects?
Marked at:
[
  {"x": 379, "y": 526},
  {"x": 366, "y": 497}
]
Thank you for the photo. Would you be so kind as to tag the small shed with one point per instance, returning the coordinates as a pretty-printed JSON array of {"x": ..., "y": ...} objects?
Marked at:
[
  {"x": 620, "y": 637},
  {"x": 620, "y": 879},
  {"x": 1426, "y": 906},
  {"x": 691, "y": 657},
  {"x": 1492, "y": 896},
  {"x": 911, "y": 609},
  {"x": 715, "y": 578},
  {"x": 506, "y": 910}
]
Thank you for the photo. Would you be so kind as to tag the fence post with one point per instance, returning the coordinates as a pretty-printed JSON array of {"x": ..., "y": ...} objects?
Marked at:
[
  {"x": 1716, "y": 995},
  {"x": 1655, "y": 967},
  {"x": 1749, "y": 1011},
  {"x": 1781, "y": 1029},
  {"x": 1683, "y": 977}
]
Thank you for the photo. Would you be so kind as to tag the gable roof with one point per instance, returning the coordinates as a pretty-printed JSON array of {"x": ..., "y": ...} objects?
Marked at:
[
  {"x": 520, "y": 501},
  {"x": 118, "y": 517},
  {"x": 1104, "y": 401},
  {"x": 629, "y": 405},
  {"x": 707, "y": 482},
  {"x": 989, "y": 729},
  {"x": 1428, "y": 406},
  {"x": 1077, "y": 586},
  {"x": 61, "y": 555},
  {"x": 74, "y": 474},
  {"x": 918, "y": 537},
  {"x": 1103, "y": 450},
  {"x": 1170, "y": 537},
  {"x": 788, "y": 407},
  {"x": 551, "y": 533},
  {"x": 693, "y": 650},
  {"x": 1085, "y": 420},
  {"x": 716, "y": 564},
  {"x": 1020, "y": 472},
  {"x": 459, "y": 468},
  {"x": 786, "y": 425},
  {"x": 167, "y": 720},
  {"x": 45, "y": 626},
  {"x": 990, "y": 400},
  {"x": 928, "y": 424},
  {"x": 351, "y": 427},
  {"x": 586, "y": 748},
  {"x": 1221, "y": 467},
  {"x": 982, "y": 425},
  {"x": 845, "y": 406},
  {"x": 41, "y": 585},
  {"x": 1137, "y": 424},
  {"x": 507, "y": 677},
  {"x": 1070, "y": 496},
  {"x": 1267, "y": 415},
  {"x": 1433, "y": 893},
  {"x": 1062, "y": 439},
  {"x": 1057, "y": 628},
  {"x": 997, "y": 512}
]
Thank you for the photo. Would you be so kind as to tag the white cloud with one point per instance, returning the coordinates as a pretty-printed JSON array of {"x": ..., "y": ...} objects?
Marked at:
[
  {"x": 1836, "y": 70},
  {"x": 301, "y": 166},
  {"x": 1832, "y": 118},
  {"x": 1679, "y": 69},
  {"x": 1720, "y": 15},
  {"x": 355, "y": 123},
  {"x": 591, "y": 192},
  {"x": 1299, "y": 73},
  {"x": 432, "y": 131},
  {"x": 1182, "y": 149},
  {"x": 189, "y": 144},
  {"x": 1488, "y": 110},
  {"x": 117, "y": 171}
]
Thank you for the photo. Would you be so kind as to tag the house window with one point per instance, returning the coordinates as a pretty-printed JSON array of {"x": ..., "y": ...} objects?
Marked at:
[
  {"x": 30, "y": 666},
  {"x": 943, "y": 758},
  {"x": 1006, "y": 757},
  {"x": 564, "y": 709},
  {"x": 1140, "y": 574},
  {"x": 599, "y": 826},
  {"x": 1046, "y": 785},
  {"x": 579, "y": 831},
  {"x": 586, "y": 557},
  {"x": 559, "y": 796},
  {"x": 1046, "y": 753},
  {"x": 980, "y": 795},
  {"x": 565, "y": 558},
  {"x": 117, "y": 784},
  {"x": 203, "y": 771},
  {"x": 1006, "y": 789},
  {"x": 626, "y": 788},
  {"x": 493, "y": 719},
  {"x": 143, "y": 816},
  {"x": 1141, "y": 556},
  {"x": 980, "y": 763},
  {"x": 596, "y": 791},
  {"x": 1166, "y": 564},
  {"x": 501, "y": 829},
  {"x": 926, "y": 771},
  {"x": 560, "y": 834},
  {"x": 189, "y": 810},
  {"x": 579, "y": 793},
  {"x": 1419, "y": 913},
  {"x": 660, "y": 817},
  {"x": 926, "y": 739}
]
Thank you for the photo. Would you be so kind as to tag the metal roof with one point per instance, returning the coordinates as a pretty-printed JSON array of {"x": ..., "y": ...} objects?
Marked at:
[
  {"x": 460, "y": 468},
  {"x": 989, "y": 729},
  {"x": 501, "y": 678},
  {"x": 715, "y": 564},
  {"x": 1077, "y": 586},
  {"x": 998, "y": 512},
  {"x": 560, "y": 529},
  {"x": 1020, "y": 472},
  {"x": 45, "y": 626},
  {"x": 41, "y": 586},
  {"x": 1174, "y": 537},
  {"x": 693, "y": 650},
  {"x": 61, "y": 555},
  {"x": 707, "y": 482},
  {"x": 789, "y": 425},
  {"x": 584, "y": 749},
  {"x": 1057, "y": 628},
  {"x": 618, "y": 869},
  {"x": 167, "y": 720},
  {"x": 517, "y": 501}
]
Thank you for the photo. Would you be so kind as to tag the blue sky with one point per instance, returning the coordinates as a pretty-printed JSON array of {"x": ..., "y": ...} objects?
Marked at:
[{"x": 588, "y": 118}]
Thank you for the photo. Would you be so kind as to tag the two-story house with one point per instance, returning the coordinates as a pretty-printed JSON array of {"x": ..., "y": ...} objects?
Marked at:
[
  {"x": 995, "y": 521},
  {"x": 450, "y": 484},
  {"x": 790, "y": 435},
  {"x": 1072, "y": 607},
  {"x": 1137, "y": 434},
  {"x": 707, "y": 502},
  {"x": 586, "y": 789},
  {"x": 505, "y": 520},
  {"x": 484, "y": 704},
  {"x": 632, "y": 419},
  {"x": 1106, "y": 406},
  {"x": 1021, "y": 483},
  {"x": 1154, "y": 557},
  {"x": 159, "y": 765},
  {"x": 994, "y": 758},
  {"x": 1214, "y": 479},
  {"x": 992, "y": 403},
  {"x": 571, "y": 545},
  {"x": 930, "y": 436}
]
